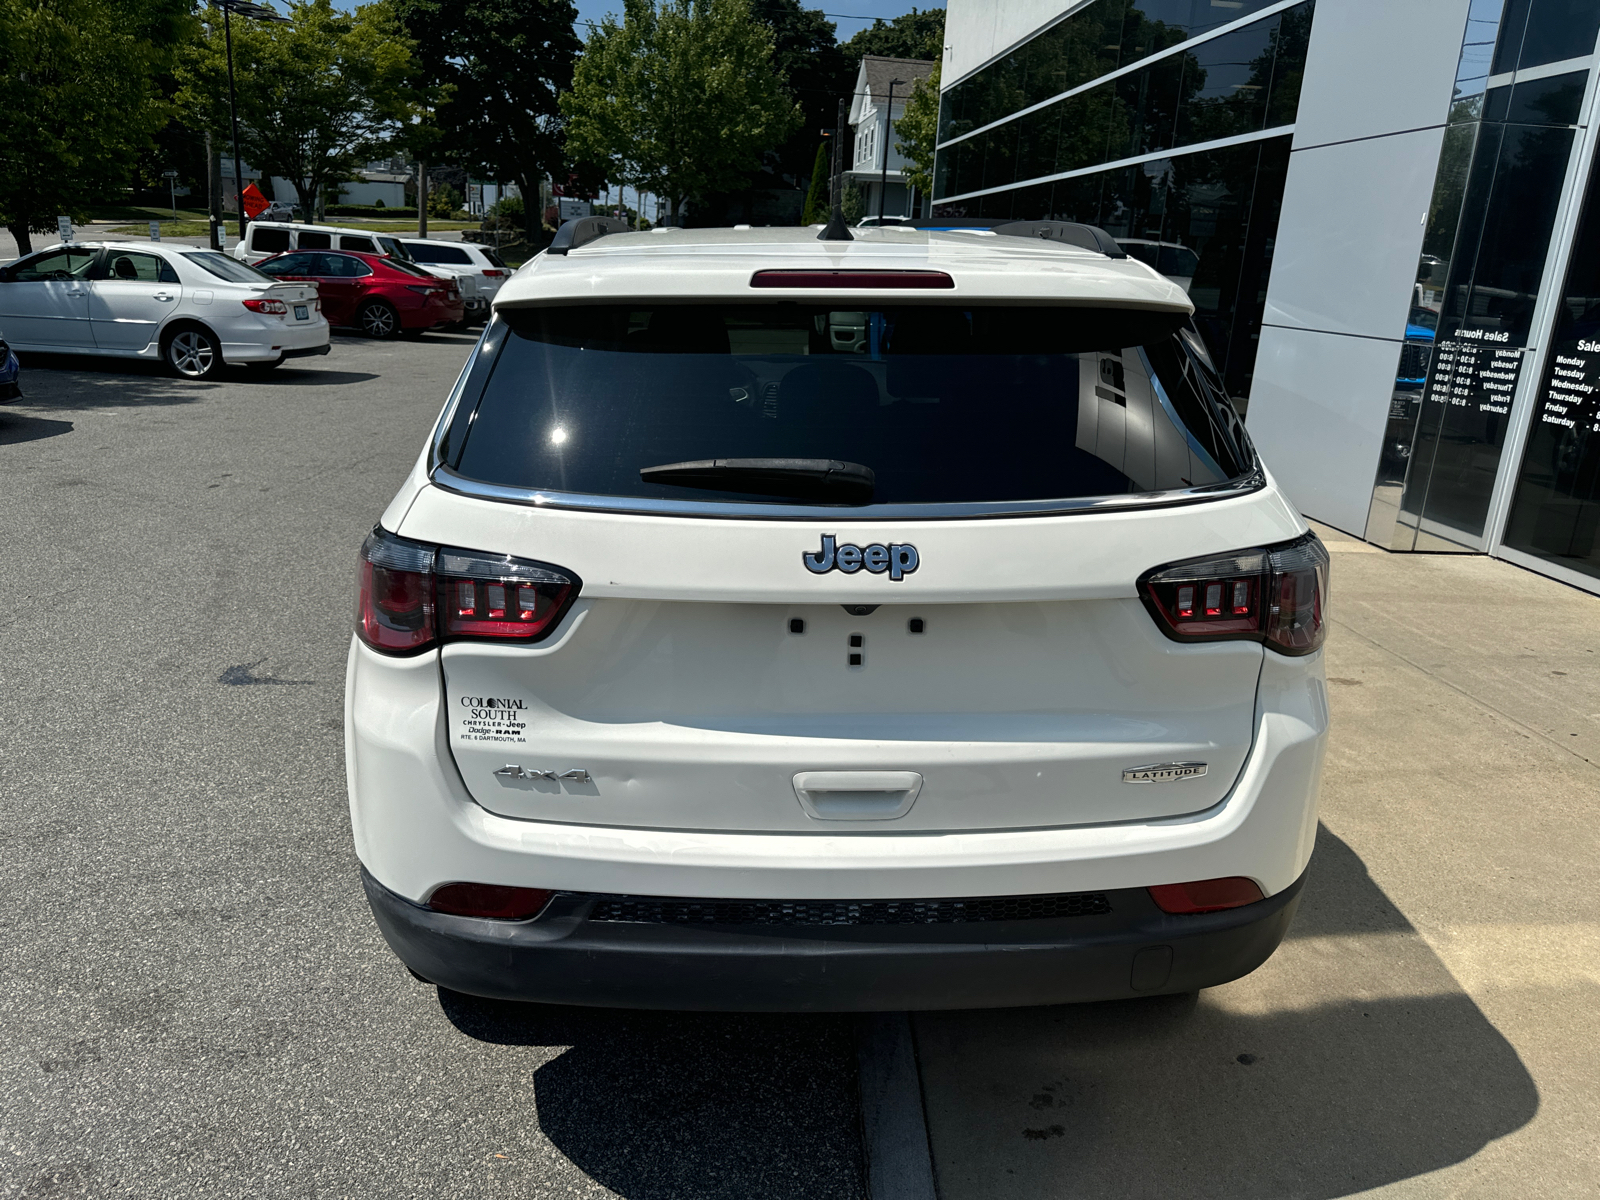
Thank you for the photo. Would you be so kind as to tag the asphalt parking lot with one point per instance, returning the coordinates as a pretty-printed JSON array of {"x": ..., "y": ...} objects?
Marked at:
[{"x": 196, "y": 1002}]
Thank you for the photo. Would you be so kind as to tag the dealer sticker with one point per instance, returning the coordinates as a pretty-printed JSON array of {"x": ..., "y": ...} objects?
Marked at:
[{"x": 492, "y": 720}]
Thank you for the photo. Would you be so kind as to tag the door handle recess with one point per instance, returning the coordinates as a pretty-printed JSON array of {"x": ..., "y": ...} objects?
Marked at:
[
  {"x": 162, "y": 296},
  {"x": 857, "y": 795}
]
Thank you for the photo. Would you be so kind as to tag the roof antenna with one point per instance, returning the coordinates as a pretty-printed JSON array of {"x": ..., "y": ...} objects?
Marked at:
[{"x": 837, "y": 230}]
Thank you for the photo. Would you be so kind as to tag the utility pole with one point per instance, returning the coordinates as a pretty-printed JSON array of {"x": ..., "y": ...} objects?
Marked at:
[
  {"x": 888, "y": 130},
  {"x": 422, "y": 198},
  {"x": 214, "y": 191},
  {"x": 256, "y": 12}
]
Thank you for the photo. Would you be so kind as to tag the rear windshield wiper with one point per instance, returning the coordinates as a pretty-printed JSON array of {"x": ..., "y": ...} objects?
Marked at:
[{"x": 825, "y": 479}]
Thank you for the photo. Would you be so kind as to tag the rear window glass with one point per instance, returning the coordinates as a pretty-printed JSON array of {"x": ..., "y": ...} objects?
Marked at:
[
  {"x": 227, "y": 268},
  {"x": 493, "y": 258},
  {"x": 942, "y": 404},
  {"x": 423, "y": 253}
]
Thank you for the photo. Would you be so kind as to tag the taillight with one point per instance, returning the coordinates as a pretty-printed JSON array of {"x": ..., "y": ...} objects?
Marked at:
[
  {"x": 1272, "y": 594},
  {"x": 491, "y": 596},
  {"x": 851, "y": 277},
  {"x": 395, "y": 611},
  {"x": 1205, "y": 895},
  {"x": 414, "y": 595},
  {"x": 423, "y": 289},
  {"x": 489, "y": 900},
  {"x": 275, "y": 308},
  {"x": 494, "y": 272}
]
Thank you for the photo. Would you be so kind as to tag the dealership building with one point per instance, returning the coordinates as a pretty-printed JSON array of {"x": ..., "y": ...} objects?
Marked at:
[{"x": 1385, "y": 214}]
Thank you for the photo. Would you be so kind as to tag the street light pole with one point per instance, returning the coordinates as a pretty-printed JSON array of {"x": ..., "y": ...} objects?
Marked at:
[
  {"x": 888, "y": 131},
  {"x": 256, "y": 12}
]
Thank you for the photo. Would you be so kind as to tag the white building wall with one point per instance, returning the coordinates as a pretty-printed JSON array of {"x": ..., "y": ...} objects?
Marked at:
[
  {"x": 1377, "y": 92},
  {"x": 976, "y": 31}
]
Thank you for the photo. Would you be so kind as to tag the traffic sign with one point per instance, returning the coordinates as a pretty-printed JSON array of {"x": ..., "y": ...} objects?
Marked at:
[
  {"x": 155, "y": 231},
  {"x": 64, "y": 228}
]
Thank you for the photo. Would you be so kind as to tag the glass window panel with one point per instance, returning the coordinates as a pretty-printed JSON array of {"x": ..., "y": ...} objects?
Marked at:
[
  {"x": 1555, "y": 512},
  {"x": 1477, "y": 51},
  {"x": 1552, "y": 101},
  {"x": 1508, "y": 42},
  {"x": 1235, "y": 84},
  {"x": 1559, "y": 30}
]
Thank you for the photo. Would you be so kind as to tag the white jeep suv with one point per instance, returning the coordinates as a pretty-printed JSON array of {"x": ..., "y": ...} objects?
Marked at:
[{"x": 707, "y": 659}]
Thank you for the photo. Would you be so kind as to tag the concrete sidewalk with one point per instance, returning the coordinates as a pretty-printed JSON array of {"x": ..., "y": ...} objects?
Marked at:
[{"x": 1432, "y": 1026}]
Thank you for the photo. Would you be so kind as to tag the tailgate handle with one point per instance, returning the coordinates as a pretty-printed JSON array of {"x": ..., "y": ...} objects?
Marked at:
[{"x": 857, "y": 795}]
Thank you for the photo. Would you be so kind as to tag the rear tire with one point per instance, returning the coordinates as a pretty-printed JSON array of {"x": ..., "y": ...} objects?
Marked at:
[
  {"x": 192, "y": 353},
  {"x": 378, "y": 320}
]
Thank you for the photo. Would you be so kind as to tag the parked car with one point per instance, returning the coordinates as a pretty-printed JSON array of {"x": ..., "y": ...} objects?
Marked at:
[
  {"x": 10, "y": 375},
  {"x": 382, "y": 297},
  {"x": 196, "y": 310},
  {"x": 477, "y": 269},
  {"x": 263, "y": 239},
  {"x": 279, "y": 210},
  {"x": 706, "y": 660}
]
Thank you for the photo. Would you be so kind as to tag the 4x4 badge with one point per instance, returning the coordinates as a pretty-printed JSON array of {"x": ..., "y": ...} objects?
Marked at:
[{"x": 898, "y": 558}]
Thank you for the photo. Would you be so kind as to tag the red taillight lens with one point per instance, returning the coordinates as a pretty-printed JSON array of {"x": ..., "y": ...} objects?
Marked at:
[
  {"x": 1205, "y": 895},
  {"x": 275, "y": 308},
  {"x": 845, "y": 278},
  {"x": 489, "y": 900},
  {"x": 1275, "y": 595},
  {"x": 414, "y": 595},
  {"x": 495, "y": 272},
  {"x": 395, "y": 611},
  {"x": 482, "y": 595}
]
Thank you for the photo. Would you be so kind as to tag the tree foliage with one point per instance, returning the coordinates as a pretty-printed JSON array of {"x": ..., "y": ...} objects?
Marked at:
[
  {"x": 815, "y": 73},
  {"x": 911, "y": 35},
  {"x": 817, "y": 201},
  {"x": 79, "y": 100},
  {"x": 500, "y": 67},
  {"x": 918, "y": 130},
  {"x": 316, "y": 96},
  {"x": 681, "y": 100}
]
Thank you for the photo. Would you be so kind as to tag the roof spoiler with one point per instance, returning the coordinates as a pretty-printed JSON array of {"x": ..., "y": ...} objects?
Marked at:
[
  {"x": 580, "y": 231},
  {"x": 1072, "y": 233}
]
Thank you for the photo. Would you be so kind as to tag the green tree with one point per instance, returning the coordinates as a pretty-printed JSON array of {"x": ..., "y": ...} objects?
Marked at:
[
  {"x": 815, "y": 72},
  {"x": 817, "y": 202},
  {"x": 316, "y": 96},
  {"x": 910, "y": 35},
  {"x": 918, "y": 130},
  {"x": 78, "y": 101},
  {"x": 680, "y": 100},
  {"x": 501, "y": 66}
]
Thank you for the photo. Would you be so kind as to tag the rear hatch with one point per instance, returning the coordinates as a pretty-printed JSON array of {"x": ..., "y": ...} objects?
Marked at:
[{"x": 759, "y": 644}]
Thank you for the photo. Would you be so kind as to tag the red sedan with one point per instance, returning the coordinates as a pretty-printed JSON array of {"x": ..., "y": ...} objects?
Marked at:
[{"x": 382, "y": 297}]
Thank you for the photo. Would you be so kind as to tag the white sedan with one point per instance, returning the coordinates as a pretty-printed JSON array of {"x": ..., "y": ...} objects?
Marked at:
[{"x": 194, "y": 309}]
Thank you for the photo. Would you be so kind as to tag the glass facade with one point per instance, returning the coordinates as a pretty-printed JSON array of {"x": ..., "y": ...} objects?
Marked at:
[
  {"x": 1205, "y": 216},
  {"x": 1505, "y": 157}
]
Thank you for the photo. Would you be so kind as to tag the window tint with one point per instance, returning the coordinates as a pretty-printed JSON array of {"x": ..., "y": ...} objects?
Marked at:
[
  {"x": 72, "y": 263},
  {"x": 289, "y": 264},
  {"x": 493, "y": 258},
  {"x": 311, "y": 239},
  {"x": 1534, "y": 32},
  {"x": 268, "y": 241},
  {"x": 227, "y": 268},
  {"x": 363, "y": 244},
  {"x": 422, "y": 252},
  {"x": 942, "y": 404},
  {"x": 393, "y": 247},
  {"x": 406, "y": 268}
]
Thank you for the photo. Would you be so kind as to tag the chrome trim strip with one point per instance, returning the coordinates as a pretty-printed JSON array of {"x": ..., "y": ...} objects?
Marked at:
[{"x": 450, "y": 481}]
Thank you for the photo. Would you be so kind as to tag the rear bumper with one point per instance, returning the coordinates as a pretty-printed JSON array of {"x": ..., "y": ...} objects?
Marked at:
[
  {"x": 308, "y": 351},
  {"x": 566, "y": 957}
]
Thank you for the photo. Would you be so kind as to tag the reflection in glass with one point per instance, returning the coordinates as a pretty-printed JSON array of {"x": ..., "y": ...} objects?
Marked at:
[
  {"x": 1535, "y": 32},
  {"x": 1212, "y": 216},
  {"x": 1555, "y": 512},
  {"x": 1239, "y": 83},
  {"x": 1096, "y": 40}
]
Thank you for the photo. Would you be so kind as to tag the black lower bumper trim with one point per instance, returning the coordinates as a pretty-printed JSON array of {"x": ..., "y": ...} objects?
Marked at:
[
  {"x": 564, "y": 957},
  {"x": 10, "y": 391},
  {"x": 309, "y": 351}
]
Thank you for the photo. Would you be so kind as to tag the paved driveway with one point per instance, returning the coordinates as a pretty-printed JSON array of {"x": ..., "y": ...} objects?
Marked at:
[{"x": 193, "y": 996}]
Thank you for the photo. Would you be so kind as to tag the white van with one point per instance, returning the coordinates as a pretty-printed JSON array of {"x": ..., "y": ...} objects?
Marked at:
[{"x": 263, "y": 239}]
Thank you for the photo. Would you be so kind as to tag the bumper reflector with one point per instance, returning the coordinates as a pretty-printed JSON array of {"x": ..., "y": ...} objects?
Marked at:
[
  {"x": 1205, "y": 895},
  {"x": 488, "y": 900}
]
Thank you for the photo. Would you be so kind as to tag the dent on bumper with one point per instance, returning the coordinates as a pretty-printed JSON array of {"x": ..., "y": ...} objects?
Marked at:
[{"x": 564, "y": 957}]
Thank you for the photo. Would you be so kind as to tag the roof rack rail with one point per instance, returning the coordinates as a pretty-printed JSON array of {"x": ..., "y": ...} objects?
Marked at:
[
  {"x": 1072, "y": 233},
  {"x": 580, "y": 231}
]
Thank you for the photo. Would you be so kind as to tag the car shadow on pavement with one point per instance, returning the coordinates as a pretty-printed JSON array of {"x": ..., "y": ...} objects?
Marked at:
[
  {"x": 80, "y": 381},
  {"x": 1352, "y": 1059},
  {"x": 710, "y": 1105},
  {"x": 15, "y": 428}
]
